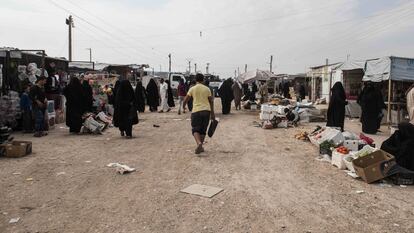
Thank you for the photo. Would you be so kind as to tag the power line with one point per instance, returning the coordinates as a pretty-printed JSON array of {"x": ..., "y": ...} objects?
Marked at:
[{"x": 91, "y": 24}]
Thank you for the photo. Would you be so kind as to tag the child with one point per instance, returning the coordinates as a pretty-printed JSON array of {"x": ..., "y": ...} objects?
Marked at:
[{"x": 26, "y": 107}]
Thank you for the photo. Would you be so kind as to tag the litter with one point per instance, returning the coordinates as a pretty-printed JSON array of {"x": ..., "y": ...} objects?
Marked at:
[
  {"x": 16, "y": 173},
  {"x": 14, "y": 220},
  {"x": 403, "y": 186},
  {"x": 385, "y": 185},
  {"x": 156, "y": 126},
  {"x": 88, "y": 161},
  {"x": 121, "y": 168},
  {"x": 177, "y": 119},
  {"x": 29, "y": 179},
  {"x": 202, "y": 190},
  {"x": 61, "y": 173},
  {"x": 360, "y": 191},
  {"x": 396, "y": 225},
  {"x": 352, "y": 174}
]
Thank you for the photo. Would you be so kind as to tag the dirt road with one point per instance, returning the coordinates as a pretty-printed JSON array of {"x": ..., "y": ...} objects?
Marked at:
[{"x": 271, "y": 182}]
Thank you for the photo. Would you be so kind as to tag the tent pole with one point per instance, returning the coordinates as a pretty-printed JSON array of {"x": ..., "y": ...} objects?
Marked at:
[{"x": 389, "y": 101}]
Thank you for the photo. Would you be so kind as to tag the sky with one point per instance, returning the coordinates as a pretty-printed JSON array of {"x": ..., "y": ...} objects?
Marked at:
[{"x": 225, "y": 33}]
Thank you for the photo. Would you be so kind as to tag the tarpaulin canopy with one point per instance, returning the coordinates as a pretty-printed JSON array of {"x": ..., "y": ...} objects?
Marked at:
[
  {"x": 255, "y": 75},
  {"x": 352, "y": 65},
  {"x": 378, "y": 70},
  {"x": 394, "y": 68}
]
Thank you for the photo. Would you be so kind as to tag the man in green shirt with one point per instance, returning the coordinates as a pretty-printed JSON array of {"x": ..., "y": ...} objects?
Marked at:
[{"x": 203, "y": 111}]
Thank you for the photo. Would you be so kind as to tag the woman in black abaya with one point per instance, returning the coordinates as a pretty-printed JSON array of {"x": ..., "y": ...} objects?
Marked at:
[
  {"x": 125, "y": 114},
  {"x": 140, "y": 96},
  {"x": 153, "y": 96},
  {"x": 88, "y": 96},
  {"x": 75, "y": 105},
  {"x": 336, "y": 109},
  {"x": 371, "y": 103},
  {"x": 171, "y": 103},
  {"x": 226, "y": 95}
]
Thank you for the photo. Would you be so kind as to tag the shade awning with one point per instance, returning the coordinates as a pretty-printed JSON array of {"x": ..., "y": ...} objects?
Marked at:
[{"x": 255, "y": 75}]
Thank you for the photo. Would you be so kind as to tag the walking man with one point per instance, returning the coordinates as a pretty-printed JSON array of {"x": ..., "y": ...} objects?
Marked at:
[
  {"x": 202, "y": 112},
  {"x": 164, "y": 96}
]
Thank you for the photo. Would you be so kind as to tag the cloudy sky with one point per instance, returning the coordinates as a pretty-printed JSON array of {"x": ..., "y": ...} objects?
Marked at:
[{"x": 226, "y": 33}]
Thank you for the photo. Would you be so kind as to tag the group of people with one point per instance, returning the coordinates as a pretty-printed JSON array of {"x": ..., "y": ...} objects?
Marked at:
[
  {"x": 372, "y": 105},
  {"x": 155, "y": 96}
]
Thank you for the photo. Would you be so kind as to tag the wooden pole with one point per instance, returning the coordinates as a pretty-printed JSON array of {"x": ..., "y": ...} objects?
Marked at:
[{"x": 389, "y": 101}]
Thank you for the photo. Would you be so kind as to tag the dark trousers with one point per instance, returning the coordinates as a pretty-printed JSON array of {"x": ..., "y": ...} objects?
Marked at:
[
  {"x": 39, "y": 120},
  {"x": 27, "y": 121}
]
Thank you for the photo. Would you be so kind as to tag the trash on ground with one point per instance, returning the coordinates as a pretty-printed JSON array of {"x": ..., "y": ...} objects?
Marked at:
[
  {"x": 88, "y": 161},
  {"x": 60, "y": 173},
  {"x": 121, "y": 168},
  {"x": 403, "y": 186},
  {"x": 156, "y": 126},
  {"x": 14, "y": 220},
  {"x": 16, "y": 173},
  {"x": 29, "y": 179},
  {"x": 360, "y": 191},
  {"x": 202, "y": 190}
]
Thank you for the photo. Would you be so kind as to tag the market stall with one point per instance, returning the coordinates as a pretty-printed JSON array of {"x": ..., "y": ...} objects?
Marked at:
[{"x": 397, "y": 72}]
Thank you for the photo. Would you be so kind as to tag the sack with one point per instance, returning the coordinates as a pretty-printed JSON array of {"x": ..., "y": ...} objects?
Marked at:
[
  {"x": 133, "y": 115},
  {"x": 212, "y": 127}
]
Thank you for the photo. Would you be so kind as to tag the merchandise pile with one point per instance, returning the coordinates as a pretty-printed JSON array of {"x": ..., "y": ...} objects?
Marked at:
[
  {"x": 10, "y": 109},
  {"x": 357, "y": 154},
  {"x": 282, "y": 113}
]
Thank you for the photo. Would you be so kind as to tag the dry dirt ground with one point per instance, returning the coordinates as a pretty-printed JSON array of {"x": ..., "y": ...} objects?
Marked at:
[{"x": 271, "y": 182}]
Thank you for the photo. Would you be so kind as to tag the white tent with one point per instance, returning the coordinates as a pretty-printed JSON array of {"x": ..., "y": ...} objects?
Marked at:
[{"x": 255, "y": 75}]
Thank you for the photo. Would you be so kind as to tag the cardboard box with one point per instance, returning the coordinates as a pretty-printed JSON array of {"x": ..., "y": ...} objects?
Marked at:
[
  {"x": 375, "y": 166},
  {"x": 18, "y": 149}
]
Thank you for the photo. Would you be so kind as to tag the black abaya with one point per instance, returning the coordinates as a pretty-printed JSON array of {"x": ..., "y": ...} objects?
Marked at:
[
  {"x": 336, "y": 109},
  {"x": 153, "y": 97},
  {"x": 140, "y": 97},
  {"x": 226, "y": 95},
  {"x": 170, "y": 101},
  {"x": 75, "y": 105},
  {"x": 88, "y": 96},
  {"x": 125, "y": 113},
  {"x": 286, "y": 90},
  {"x": 371, "y": 105}
]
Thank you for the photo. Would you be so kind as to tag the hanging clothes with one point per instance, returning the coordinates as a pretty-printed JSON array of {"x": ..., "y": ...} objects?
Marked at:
[
  {"x": 410, "y": 103},
  {"x": 336, "y": 109}
]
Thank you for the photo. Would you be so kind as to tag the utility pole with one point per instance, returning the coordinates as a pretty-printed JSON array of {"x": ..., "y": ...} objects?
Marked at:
[
  {"x": 189, "y": 67},
  {"x": 208, "y": 64},
  {"x": 195, "y": 68},
  {"x": 169, "y": 62},
  {"x": 271, "y": 64},
  {"x": 245, "y": 68},
  {"x": 90, "y": 54},
  {"x": 69, "y": 22}
]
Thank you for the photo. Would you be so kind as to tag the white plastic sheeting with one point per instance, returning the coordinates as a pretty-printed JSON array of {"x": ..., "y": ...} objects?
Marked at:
[
  {"x": 255, "y": 75},
  {"x": 378, "y": 70},
  {"x": 352, "y": 65}
]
